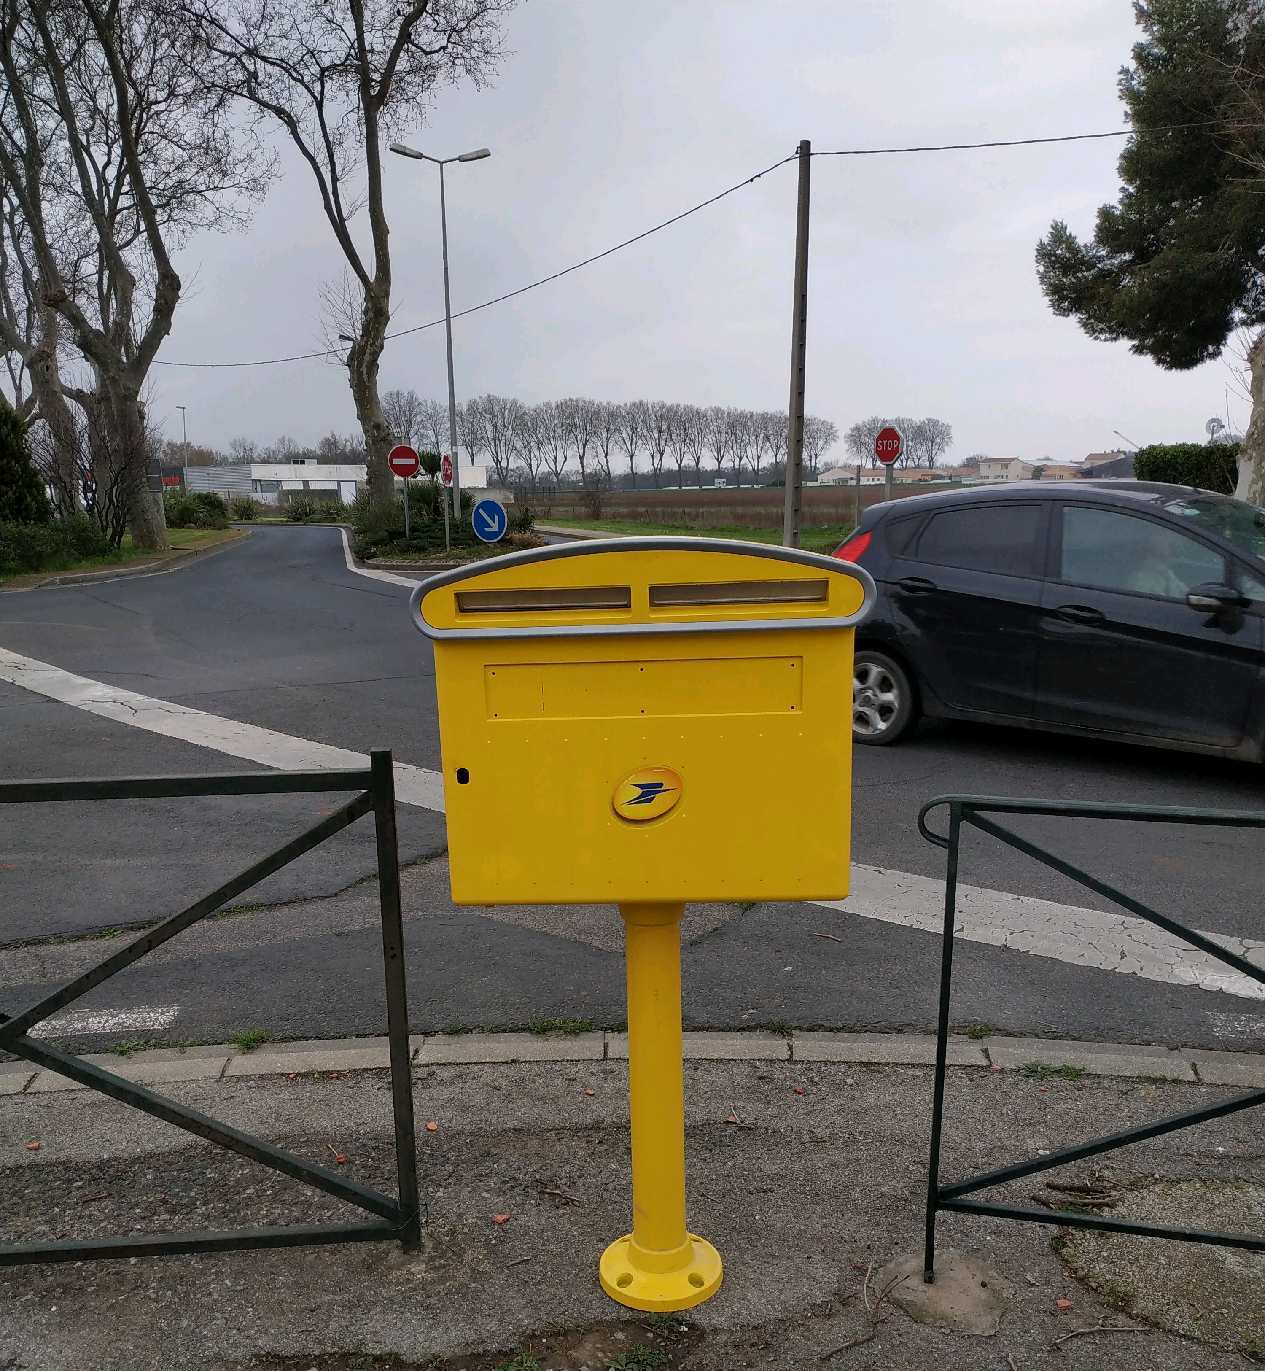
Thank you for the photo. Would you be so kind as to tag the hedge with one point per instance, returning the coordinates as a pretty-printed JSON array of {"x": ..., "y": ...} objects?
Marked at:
[{"x": 1209, "y": 466}]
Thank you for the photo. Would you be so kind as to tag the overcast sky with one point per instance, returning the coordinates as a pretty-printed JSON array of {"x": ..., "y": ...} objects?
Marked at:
[{"x": 608, "y": 117}]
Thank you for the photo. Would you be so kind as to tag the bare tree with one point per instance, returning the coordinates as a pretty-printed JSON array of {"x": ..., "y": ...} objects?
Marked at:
[
  {"x": 577, "y": 418},
  {"x": 433, "y": 425},
  {"x": 859, "y": 439},
  {"x": 336, "y": 76},
  {"x": 529, "y": 445},
  {"x": 658, "y": 430},
  {"x": 606, "y": 435},
  {"x": 491, "y": 429},
  {"x": 402, "y": 410},
  {"x": 631, "y": 434},
  {"x": 241, "y": 451},
  {"x": 928, "y": 440},
  {"x": 694, "y": 423},
  {"x": 141, "y": 156},
  {"x": 549, "y": 438},
  {"x": 719, "y": 435},
  {"x": 820, "y": 435}
]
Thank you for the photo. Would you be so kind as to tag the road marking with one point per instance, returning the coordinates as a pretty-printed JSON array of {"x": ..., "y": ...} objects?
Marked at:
[
  {"x": 1040, "y": 928},
  {"x": 147, "y": 1019},
  {"x": 389, "y": 576},
  {"x": 414, "y": 785}
]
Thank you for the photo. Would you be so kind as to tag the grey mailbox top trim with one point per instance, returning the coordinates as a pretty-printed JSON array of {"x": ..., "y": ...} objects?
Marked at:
[{"x": 665, "y": 544}]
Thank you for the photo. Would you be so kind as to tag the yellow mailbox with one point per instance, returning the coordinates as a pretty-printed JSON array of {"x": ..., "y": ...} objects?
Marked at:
[{"x": 645, "y": 722}]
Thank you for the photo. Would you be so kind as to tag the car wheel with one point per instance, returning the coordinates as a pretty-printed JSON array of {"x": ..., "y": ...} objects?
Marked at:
[{"x": 882, "y": 699}]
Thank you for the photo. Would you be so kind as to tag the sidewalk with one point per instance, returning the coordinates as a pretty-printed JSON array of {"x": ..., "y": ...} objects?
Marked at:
[{"x": 807, "y": 1174}]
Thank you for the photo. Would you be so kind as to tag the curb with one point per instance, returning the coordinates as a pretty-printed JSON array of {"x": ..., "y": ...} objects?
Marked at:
[
  {"x": 577, "y": 533},
  {"x": 124, "y": 573},
  {"x": 1040, "y": 1058}
]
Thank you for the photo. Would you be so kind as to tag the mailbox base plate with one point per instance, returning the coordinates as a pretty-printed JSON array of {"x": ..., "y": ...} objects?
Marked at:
[{"x": 633, "y": 1283}]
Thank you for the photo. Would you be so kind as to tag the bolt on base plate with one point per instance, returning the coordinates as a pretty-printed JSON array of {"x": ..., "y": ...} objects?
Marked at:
[{"x": 627, "y": 1276}]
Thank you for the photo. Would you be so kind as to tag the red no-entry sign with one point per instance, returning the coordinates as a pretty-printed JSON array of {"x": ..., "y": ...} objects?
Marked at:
[
  {"x": 889, "y": 445},
  {"x": 404, "y": 461},
  {"x": 445, "y": 469}
]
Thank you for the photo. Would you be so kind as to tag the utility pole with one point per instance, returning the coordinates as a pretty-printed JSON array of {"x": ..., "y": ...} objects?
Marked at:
[
  {"x": 452, "y": 387},
  {"x": 799, "y": 340}
]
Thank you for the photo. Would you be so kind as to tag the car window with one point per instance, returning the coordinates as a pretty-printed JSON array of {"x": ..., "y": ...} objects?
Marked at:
[
  {"x": 1115, "y": 551},
  {"x": 900, "y": 533},
  {"x": 1252, "y": 585},
  {"x": 992, "y": 537}
]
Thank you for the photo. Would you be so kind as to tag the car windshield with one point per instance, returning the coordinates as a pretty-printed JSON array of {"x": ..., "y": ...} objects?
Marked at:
[{"x": 1239, "y": 523}]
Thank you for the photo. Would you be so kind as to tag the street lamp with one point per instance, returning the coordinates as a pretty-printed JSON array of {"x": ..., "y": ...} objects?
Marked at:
[
  {"x": 441, "y": 162},
  {"x": 1130, "y": 441},
  {"x": 184, "y": 426}
]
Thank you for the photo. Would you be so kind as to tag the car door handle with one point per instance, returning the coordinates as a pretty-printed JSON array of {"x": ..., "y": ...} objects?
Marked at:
[
  {"x": 916, "y": 585},
  {"x": 1080, "y": 614}
]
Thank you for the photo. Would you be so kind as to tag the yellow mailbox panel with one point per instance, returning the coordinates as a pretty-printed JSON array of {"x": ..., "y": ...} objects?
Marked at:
[{"x": 657, "y": 719}]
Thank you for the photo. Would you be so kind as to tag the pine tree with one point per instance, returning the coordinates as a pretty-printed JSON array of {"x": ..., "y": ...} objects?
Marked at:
[
  {"x": 23, "y": 499},
  {"x": 1179, "y": 264}
]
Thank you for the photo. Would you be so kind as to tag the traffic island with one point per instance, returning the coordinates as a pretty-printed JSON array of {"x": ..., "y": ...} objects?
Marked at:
[{"x": 808, "y": 1176}]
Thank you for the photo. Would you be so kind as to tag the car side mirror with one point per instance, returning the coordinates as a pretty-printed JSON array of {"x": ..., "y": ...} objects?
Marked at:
[{"x": 1215, "y": 598}]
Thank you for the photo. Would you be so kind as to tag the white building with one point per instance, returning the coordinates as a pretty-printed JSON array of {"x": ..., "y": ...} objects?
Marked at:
[
  {"x": 1005, "y": 469},
  {"x": 267, "y": 481}
]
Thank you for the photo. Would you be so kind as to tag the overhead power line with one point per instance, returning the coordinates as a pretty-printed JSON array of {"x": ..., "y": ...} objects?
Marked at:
[
  {"x": 685, "y": 214},
  {"x": 510, "y": 295}
]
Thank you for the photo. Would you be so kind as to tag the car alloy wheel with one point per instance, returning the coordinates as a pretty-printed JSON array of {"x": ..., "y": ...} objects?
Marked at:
[{"x": 876, "y": 698}]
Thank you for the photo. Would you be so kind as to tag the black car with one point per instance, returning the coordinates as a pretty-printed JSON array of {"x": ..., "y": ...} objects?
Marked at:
[{"x": 1121, "y": 609}]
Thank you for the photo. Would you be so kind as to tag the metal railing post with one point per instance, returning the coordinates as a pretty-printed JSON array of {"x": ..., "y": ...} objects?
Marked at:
[
  {"x": 383, "y": 790},
  {"x": 942, "y": 1044}
]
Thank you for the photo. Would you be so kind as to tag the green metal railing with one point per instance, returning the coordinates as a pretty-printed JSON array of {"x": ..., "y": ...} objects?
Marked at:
[
  {"x": 971, "y": 810},
  {"x": 396, "y": 1218}
]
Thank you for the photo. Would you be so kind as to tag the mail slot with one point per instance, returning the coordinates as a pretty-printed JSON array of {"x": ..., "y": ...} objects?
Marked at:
[{"x": 722, "y": 670}]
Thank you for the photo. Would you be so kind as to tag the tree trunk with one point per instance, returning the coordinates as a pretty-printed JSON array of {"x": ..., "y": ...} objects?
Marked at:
[
  {"x": 1251, "y": 486},
  {"x": 120, "y": 446},
  {"x": 362, "y": 367},
  {"x": 54, "y": 410}
]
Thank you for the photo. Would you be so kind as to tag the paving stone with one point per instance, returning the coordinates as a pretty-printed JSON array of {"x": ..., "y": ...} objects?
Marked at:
[
  {"x": 1229, "y": 1068},
  {"x": 15, "y": 1082},
  {"x": 716, "y": 1047},
  {"x": 474, "y": 1048},
  {"x": 277, "y": 1063},
  {"x": 888, "y": 1049},
  {"x": 1098, "y": 1059}
]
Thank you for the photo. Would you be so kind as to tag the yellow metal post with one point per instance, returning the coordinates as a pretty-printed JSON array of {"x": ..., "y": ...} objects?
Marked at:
[{"x": 660, "y": 1265}]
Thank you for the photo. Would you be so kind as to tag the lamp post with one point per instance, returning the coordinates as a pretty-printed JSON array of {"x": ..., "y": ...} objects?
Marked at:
[
  {"x": 184, "y": 428},
  {"x": 441, "y": 162}
]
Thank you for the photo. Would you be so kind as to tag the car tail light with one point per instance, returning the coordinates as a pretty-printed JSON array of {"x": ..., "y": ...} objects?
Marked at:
[{"x": 852, "y": 550}]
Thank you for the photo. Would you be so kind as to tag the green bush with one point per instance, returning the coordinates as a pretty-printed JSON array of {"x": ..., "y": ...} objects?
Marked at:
[
  {"x": 195, "y": 509},
  {"x": 380, "y": 532},
  {"x": 23, "y": 499},
  {"x": 244, "y": 508},
  {"x": 522, "y": 518},
  {"x": 304, "y": 508},
  {"x": 1209, "y": 466},
  {"x": 49, "y": 547}
]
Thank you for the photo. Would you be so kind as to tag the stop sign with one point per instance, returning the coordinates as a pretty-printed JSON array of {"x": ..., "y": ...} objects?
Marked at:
[
  {"x": 404, "y": 461},
  {"x": 889, "y": 445},
  {"x": 445, "y": 469}
]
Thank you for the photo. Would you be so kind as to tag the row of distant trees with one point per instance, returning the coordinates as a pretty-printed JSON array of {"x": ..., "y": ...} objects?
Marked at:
[
  {"x": 927, "y": 441},
  {"x": 574, "y": 441}
]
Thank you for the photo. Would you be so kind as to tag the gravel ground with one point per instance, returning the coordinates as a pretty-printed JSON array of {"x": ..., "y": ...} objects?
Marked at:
[{"x": 806, "y": 1195}]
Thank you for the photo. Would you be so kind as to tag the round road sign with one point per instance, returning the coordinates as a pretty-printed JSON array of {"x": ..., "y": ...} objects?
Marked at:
[
  {"x": 403, "y": 461},
  {"x": 889, "y": 445},
  {"x": 445, "y": 469},
  {"x": 490, "y": 520}
]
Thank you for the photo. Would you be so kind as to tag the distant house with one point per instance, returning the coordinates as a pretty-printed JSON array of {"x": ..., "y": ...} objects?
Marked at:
[
  {"x": 1061, "y": 471},
  {"x": 1005, "y": 469},
  {"x": 1102, "y": 464},
  {"x": 877, "y": 476}
]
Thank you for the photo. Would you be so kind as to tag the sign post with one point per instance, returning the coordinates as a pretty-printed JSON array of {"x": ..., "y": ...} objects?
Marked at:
[
  {"x": 889, "y": 448},
  {"x": 404, "y": 463}
]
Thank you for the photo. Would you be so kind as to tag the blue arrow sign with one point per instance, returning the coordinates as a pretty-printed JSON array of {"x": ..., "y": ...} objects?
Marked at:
[{"x": 490, "y": 521}]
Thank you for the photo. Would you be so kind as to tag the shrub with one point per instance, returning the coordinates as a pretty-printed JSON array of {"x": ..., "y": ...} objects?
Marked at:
[
  {"x": 378, "y": 532},
  {"x": 243, "y": 508},
  {"x": 23, "y": 499},
  {"x": 48, "y": 547},
  {"x": 304, "y": 507},
  {"x": 85, "y": 537},
  {"x": 1210, "y": 466},
  {"x": 522, "y": 518},
  {"x": 195, "y": 509}
]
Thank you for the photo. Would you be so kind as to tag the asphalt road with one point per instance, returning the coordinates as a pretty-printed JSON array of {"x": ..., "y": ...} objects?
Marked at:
[{"x": 276, "y": 631}]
